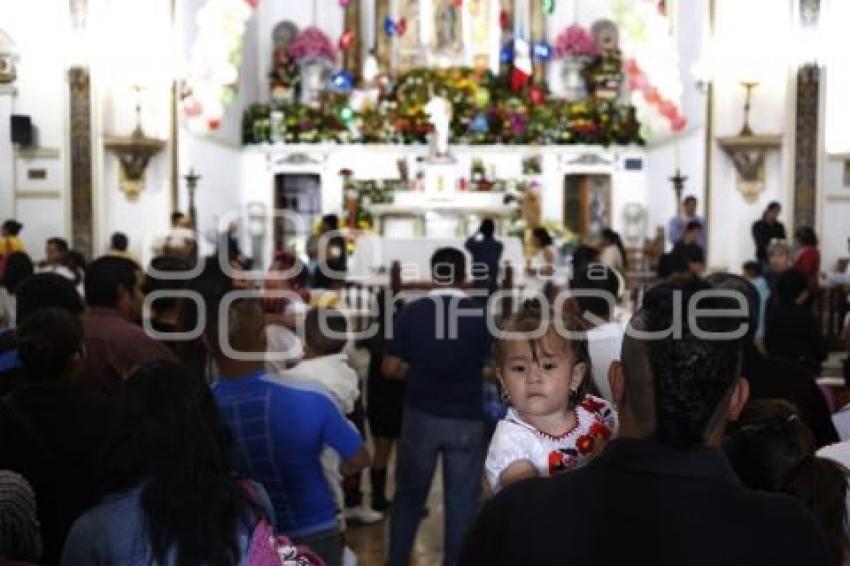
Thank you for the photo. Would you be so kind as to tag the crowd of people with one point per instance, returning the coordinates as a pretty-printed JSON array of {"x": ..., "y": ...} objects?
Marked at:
[{"x": 149, "y": 418}]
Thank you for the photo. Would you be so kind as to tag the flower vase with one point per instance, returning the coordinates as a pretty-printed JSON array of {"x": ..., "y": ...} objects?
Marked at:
[
  {"x": 315, "y": 73},
  {"x": 571, "y": 73}
]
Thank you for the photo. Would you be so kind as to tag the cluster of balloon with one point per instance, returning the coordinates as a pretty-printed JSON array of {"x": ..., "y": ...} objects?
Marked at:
[
  {"x": 638, "y": 82},
  {"x": 395, "y": 27}
]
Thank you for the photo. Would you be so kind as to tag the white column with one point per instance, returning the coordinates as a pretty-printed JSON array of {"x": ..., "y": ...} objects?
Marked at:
[{"x": 7, "y": 153}]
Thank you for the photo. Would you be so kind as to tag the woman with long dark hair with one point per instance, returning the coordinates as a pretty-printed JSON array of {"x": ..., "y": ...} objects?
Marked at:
[
  {"x": 612, "y": 251},
  {"x": 171, "y": 496}
]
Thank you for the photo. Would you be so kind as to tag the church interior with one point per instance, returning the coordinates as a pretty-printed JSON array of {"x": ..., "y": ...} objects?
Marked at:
[{"x": 646, "y": 133}]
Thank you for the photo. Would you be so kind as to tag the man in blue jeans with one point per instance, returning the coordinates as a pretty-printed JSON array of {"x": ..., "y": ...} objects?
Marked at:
[{"x": 439, "y": 345}]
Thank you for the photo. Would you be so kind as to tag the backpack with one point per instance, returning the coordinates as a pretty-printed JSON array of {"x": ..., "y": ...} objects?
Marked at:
[{"x": 269, "y": 549}]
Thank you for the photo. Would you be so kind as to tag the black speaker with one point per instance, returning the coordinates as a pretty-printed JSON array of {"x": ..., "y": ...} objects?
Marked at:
[{"x": 21, "y": 130}]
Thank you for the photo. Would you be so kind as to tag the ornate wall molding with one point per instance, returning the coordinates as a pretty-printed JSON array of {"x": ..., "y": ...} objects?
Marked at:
[
  {"x": 806, "y": 145},
  {"x": 82, "y": 232}
]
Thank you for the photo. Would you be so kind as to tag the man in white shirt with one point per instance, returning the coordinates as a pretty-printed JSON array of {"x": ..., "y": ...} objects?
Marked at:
[
  {"x": 676, "y": 228},
  {"x": 595, "y": 289}
]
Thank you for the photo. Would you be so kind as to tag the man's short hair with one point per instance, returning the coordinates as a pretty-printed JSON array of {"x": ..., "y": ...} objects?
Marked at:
[
  {"x": 60, "y": 244},
  {"x": 105, "y": 276},
  {"x": 600, "y": 278},
  {"x": 691, "y": 375},
  {"x": 245, "y": 324},
  {"x": 46, "y": 290},
  {"x": 12, "y": 227},
  {"x": 693, "y": 225},
  {"x": 488, "y": 227},
  {"x": 119, "y": 241},
  {"x": 316, "y": 325},
  {"x": 448, "y": 267},
  {"x": 176, "y": 217},
  {"x": 331, "y": 221},
  {"x": 690, "y": 199}
]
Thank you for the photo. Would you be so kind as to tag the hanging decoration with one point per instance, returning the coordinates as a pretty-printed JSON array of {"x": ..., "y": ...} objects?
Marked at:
[
  {"x": 542, "y": 51},
  {"x": 652, "y": 67},
  {"x": 215, "y": 58},
  {"x": 342, "y": 81},
  {"x": 389, "y": 27},
  {"x": 401, "y": 27},
  {"x": 346, "y": 39}
]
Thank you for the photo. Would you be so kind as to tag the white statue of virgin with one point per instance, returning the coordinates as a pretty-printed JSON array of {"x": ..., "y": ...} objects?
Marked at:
[{"x": 439, "y": 111}]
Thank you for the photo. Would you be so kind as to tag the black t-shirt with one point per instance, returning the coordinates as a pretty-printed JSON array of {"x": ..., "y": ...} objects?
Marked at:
[
  {"x": 446, "y": 360},
  {"x": 640, "y": 502},
  {"x": 54, "y": 434},
  {"x": 763, "y": 234}
]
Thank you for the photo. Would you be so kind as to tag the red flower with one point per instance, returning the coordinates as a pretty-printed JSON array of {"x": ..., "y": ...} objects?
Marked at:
[
  {"x": 592, "y": 404},
  {"x": 585, "y": 444},
  {"x": 599, "y": 430}
]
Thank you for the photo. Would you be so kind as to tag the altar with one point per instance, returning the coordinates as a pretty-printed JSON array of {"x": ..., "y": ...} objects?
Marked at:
[{"x": 583, "y": 188}]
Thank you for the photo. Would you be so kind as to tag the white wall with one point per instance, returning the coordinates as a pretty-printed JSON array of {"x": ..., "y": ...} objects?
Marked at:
[
  {"x": 41, "y": 92},
  {"x": 745, "y": 50}
]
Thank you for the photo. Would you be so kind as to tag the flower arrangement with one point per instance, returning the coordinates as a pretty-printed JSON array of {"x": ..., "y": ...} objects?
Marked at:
[
  {"x": 575, "y": 41},
  {"x": 504, "y": 117},
  {"x": 312, "y": 43}
]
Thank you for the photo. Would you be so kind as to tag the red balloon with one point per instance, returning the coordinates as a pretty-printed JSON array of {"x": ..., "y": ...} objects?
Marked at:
[
  {"x": 504, "y": 19},
  {"x": 518, "y": 80},
  {"x": 667, "y": 109},
  {"x": 458, "y": 3},
  {"x": 651, "y": 95},
  {"x": 679, "y": 123},
  {"x": 213, "y": 123},
  {"x": 252, "y": 3},
  {"x": 401, "y": 27},
  {"x": 632, "y": 67},
  {"x": 344, "y": 3},
  {"x": 346, "y": 39},
  {"x": 538, "y": 96}
]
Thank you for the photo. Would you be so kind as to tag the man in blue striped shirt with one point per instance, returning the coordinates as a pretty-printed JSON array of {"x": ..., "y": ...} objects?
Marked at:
[{"x": 280, "y": 430}]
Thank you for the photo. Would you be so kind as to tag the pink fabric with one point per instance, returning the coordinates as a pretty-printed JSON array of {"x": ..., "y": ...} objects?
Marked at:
[{"x": 269, "y": 549}]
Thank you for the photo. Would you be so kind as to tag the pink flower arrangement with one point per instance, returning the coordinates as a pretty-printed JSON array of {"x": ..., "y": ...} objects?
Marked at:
[
  {"x": 312, "y": 43},
  {"x": 575, "y": 41}
]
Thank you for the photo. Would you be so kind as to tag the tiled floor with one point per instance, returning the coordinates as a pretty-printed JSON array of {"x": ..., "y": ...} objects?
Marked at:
[{"x": 370, "y": 542}]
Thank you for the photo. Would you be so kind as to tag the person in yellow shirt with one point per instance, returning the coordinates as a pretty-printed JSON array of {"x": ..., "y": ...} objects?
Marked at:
[{"x": 9, "y": 240}]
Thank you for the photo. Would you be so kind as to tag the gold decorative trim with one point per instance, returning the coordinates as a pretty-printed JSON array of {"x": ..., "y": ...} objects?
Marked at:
[
  {"x": 21, "y": 195},
  {"x": 37, "y": 153}
]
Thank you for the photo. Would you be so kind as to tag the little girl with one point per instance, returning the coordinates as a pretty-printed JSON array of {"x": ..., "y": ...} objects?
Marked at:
[{"x": 553, "y": 424}]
